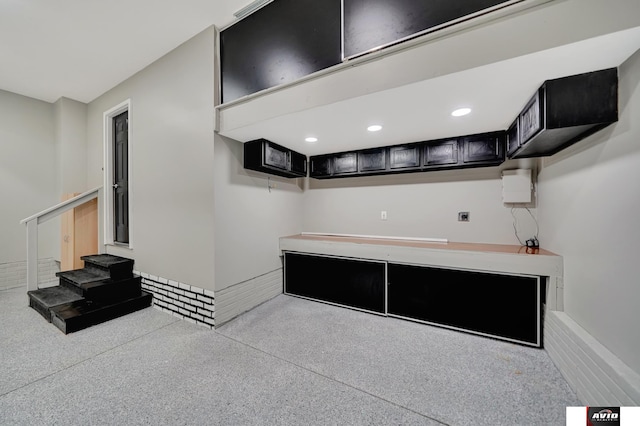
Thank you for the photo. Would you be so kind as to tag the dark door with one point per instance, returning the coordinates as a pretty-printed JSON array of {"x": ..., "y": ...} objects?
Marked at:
[{"x": 121, "y": 177}]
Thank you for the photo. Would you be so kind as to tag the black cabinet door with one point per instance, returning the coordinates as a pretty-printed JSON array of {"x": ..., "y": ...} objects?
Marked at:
[
  {"x": 320, "y": 166},
  {"x": 532, "y": 117},
  {"x": 346, "y": 163},
  {"x": 485, "y": 148},
  {"x": 513, "y": 137},
  {"x": 404, "y": 157},
  {"x": 372, "y": 160},
  {"x": 499, "y": 305},
  {"x": 355, "y": 283},
  {"x": 298, "y": 163},
  {"x": 276, "y": 156},
  {"x": 441, "y": 153}
]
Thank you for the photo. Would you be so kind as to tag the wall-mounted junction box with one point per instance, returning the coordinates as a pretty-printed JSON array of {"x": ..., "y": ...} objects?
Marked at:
[{"x": 516, "y": 186}]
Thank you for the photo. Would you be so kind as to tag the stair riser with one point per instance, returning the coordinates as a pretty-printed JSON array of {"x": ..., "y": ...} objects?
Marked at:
[
  {"x": 113, "y": 291},
  {"x": 117, "y": 272},
  {"x": 39, "y": 308},
  {"x": 100, "y": 315}
]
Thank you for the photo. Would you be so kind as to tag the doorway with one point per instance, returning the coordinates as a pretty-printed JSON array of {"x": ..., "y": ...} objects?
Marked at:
[{"x": 121, "y": 178}]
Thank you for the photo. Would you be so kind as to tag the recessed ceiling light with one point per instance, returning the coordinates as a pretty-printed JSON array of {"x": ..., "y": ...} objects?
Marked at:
[
  {"x": 374, "y": 128},
  {"x": 460, "y": 112},
  {"x": 311, "y": 139}
]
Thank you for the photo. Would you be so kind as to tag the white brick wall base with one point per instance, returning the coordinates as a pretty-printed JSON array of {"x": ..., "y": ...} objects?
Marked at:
[
  {"x": 239, "y": 298},
  {"x": 184, "y": 301},
  {"x": 596, "y": 375},
  {"x": 14, "y": 274}
]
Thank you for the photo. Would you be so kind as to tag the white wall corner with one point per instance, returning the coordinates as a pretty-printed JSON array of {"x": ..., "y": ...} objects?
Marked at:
[{"x": 595, "y": 374}]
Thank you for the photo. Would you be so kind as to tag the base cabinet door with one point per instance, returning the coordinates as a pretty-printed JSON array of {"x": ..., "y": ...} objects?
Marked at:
[
  {"x": 355, "y": 283},
  {"x": 504, "y": 306}
]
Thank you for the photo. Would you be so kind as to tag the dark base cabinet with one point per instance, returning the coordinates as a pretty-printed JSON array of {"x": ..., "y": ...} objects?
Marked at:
[
  {"x": 504, "y": 306},
  {"x": 354, "y": 283}
]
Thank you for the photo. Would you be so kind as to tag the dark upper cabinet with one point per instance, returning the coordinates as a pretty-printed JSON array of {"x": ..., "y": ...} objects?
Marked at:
[
  {"x": 372, "y": 24},
  {"x": 268, "y": 157},
  {"x": 298, "y": 163},
  {"x": 513, "y": 137},
  {"x": 345, "y": 163},
  {"x": 372, "y": 160},
  {"x": 486, "y": 148},
  {"x": 279, "y": 43},
  {"x": 566, "y": 110},
  {"x": 320, "y": 166},
  {"x": 334, "y": 165},
  {"x": 441, "y": 153},
  {"x": 404, "y": 157}
]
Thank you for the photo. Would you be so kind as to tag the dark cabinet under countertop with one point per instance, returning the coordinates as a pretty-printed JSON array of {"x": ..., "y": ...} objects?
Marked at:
[
  {"x": 268, "y": 157},
  {"x": 506, "y": 306},
  {"x": 354, "y": 283}
]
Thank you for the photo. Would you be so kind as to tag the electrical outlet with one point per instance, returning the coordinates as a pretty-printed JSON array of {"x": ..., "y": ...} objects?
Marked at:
[
  {"x": 383, "y": 215},
  {"x": 463, "y": 216}
]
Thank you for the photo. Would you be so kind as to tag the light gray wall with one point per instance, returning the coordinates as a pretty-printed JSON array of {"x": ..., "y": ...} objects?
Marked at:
[
  {"x": 171, "y": 142},
  {"x": 27, "y": 174},
  {"x": 71, "y": 145},
  {"x": 249, "y": 218},
  {"x": 589, "y": 204},
  {"x": 418, "y": 205}
]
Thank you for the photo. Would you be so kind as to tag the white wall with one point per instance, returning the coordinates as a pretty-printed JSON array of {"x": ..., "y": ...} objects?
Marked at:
[
  {"x": 27, "y": 174},
  {"x": 418, "y": 205},
  {"x": 589, "y": 204},
  {"x": 171, "y": 142},
  {"x": 71, "y": 145},
  {"x": 249, "y": 218}
]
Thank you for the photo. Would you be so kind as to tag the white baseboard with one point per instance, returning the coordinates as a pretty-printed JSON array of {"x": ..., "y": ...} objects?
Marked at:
[
  {"x": 239, "y": 298},
  {"x": 596, "y": 375}
]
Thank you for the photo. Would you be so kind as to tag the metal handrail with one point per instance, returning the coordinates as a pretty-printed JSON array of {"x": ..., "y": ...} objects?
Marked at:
[{"x": 33, "y": 221}]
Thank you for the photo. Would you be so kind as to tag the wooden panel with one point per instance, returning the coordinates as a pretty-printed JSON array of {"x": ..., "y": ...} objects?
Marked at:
[
  {"x": 79, "y": 233},
  {"x": 86, "y": 232},
  {"x": 67, "y": 236}
]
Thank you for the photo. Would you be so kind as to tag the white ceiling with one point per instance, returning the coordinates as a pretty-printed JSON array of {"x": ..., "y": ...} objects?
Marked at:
[{"x": 79, "y": 49}]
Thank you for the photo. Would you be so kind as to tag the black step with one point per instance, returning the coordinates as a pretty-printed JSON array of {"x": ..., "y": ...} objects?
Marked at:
[
  {"x": 117, "y": 267},
  {"x": 83, "y": 313},
  {"x": 100, "y": 290},
  {"x": 44, "y": 299},
  {"x": 76, "y": 279}
]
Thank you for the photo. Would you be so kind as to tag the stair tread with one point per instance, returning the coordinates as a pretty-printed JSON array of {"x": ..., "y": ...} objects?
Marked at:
[
  {"x": 83, "y": 276},
  {"x": 54, "y": 296},
  {"x": 106, "y": 260}
]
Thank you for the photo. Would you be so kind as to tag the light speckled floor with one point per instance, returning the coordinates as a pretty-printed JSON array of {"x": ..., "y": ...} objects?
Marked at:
[{"x": 287, "y": 362}]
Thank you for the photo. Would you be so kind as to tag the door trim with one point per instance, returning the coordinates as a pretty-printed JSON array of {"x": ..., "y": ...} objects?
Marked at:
[{"x": 107, "y": 167}]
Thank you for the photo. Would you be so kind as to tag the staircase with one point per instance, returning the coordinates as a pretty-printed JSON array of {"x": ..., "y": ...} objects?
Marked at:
[{"x": 103, "y": 290}]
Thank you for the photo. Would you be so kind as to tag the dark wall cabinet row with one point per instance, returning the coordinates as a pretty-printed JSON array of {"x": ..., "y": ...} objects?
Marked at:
[
  {"x": 486, "y": 149},
  {"x": 564, "y": 111},
  {"x": 289, "y": 39},
  {"x": 503, "y": 306},
  {"x": 265, "y": 156}
]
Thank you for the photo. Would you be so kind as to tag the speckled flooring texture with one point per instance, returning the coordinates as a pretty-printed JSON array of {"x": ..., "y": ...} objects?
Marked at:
[{"x": 288, "y": 362}]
